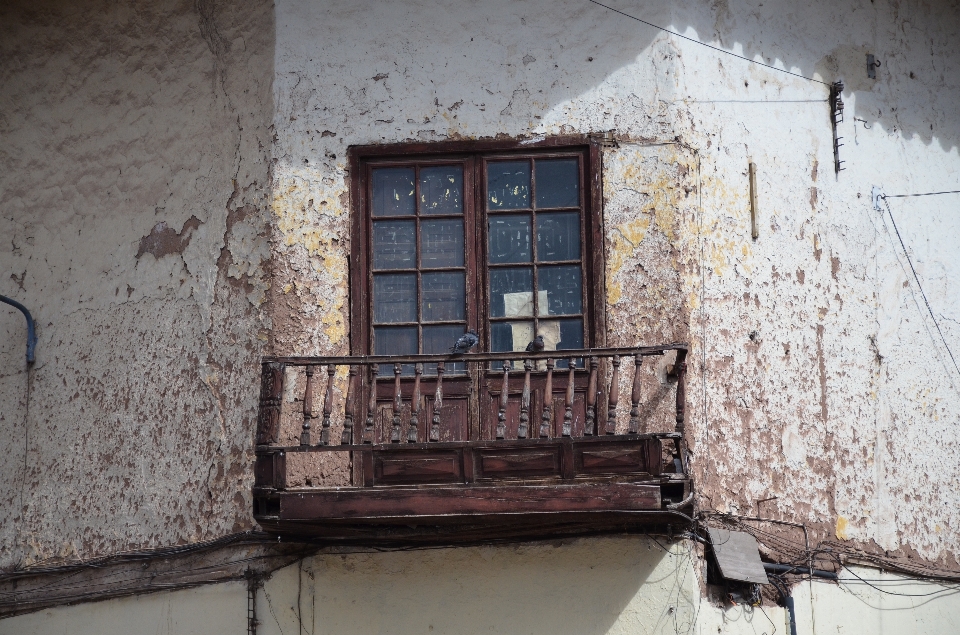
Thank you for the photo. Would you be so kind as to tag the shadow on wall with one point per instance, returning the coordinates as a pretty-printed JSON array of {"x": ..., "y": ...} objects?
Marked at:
[
  {"x": 504, "y": 65},
  {"x": 589, "y": 586}
]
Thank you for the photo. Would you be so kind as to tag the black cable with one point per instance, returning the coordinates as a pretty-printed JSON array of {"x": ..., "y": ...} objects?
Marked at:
[
  {"x": 709, "y": 46},
  {"x": 920, "y": 286},
  {"x": 921, "y": 194}
]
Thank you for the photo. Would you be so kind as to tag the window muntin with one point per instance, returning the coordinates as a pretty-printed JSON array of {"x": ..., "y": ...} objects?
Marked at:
[
  {"x": 419, "y": 270},
  {"x": 547, "y": 239},
  {"x": 525, "y": 273}
]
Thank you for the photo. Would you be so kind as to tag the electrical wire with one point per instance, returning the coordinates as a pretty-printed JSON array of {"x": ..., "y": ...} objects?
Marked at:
[
  {"x": 923, "y": 294},
  {"x": 920, "y": 194},
  {"x": 709, "y": 46}
]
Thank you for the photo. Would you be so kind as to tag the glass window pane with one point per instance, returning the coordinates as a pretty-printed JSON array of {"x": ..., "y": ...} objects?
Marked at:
[
  {"x": 443, "y": 297},
  {"x": 558, "y": 183},
  {"x": 562, "y": 288},
  {"x": 439, "y": 340},
  {"x": 395, "y": 340},
  {"x": 393, "y": 192},
  {"x": 394, "y": 297},
  {"x": 394, "y": 244},
  {"x": 511, "y": 292},
  {"x": 441, "y": 243},
  {"x": 558, "y": 236},
  {"x": 441, "y": 190},
  {"x": 510, "y": 238},
  {"x": 508, "y": 185},
  {"x": 571, "y": 336},
  {"x": 501, "y": 337}
]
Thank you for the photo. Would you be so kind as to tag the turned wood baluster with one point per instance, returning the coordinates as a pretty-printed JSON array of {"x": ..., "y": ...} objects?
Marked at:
[
  {"x": 371, "y": 404},
  {"x": 591, "y": 421},
  {"x": 397, "y": 404},
  {"x": 327, "y": 405},
  {"x": 349, "y": 409},
  {"x": 271, "y": 397},
  {"x": 680, "y": 368},
  {"x": 413, "y": 431},
  {"x": 547, "y": 419},
  {"x": 568, "y": 404},
  {"x": 307, "y": 407},
  {"x": 523, "y": 427},
  {"x": 614, "y": 396},
  {"x": 504, "y": 397},
  {"x": 635, "y": 397},
  {"x": 437, "y": 405}
]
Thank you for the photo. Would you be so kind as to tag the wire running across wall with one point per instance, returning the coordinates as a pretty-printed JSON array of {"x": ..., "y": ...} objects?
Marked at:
[
  {"x": 709, "y": 46},
  {"x": 916, "y": 277}
]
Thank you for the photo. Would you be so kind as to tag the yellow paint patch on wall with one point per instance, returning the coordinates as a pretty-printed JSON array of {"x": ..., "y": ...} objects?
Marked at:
[
  {"x": 634, "y": 231},
  {"x": 843, "y": 528},
  {"x": 335, "y": 328}
]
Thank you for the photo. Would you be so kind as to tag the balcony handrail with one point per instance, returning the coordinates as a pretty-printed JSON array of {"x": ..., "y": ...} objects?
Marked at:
[
  {"x": 367, "y": 360},
  {"x": 360, "y": 413}
]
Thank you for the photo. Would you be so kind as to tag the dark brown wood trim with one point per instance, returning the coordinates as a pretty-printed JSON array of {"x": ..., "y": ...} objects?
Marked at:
[
  {"x": 467, "y": 500},
  {"x": 566, "y": 142}
]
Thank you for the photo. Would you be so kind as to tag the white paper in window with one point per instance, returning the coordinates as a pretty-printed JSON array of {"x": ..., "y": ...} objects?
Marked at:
[{"x": 520, "y": 304}]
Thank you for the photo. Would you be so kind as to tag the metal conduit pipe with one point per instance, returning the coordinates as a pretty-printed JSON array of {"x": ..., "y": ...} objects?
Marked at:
[{"x": 31, "y": 331}]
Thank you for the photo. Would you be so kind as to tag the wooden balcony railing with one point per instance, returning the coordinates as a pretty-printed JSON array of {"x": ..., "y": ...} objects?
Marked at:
[{"x": 493, "y": 440}]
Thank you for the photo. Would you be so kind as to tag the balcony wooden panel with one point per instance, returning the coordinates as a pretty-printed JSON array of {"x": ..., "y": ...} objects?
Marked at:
[
  {"x": 427, "y": 466},
  {"x": 518, "y": 462},
  {"x": 541, "y": 458}
]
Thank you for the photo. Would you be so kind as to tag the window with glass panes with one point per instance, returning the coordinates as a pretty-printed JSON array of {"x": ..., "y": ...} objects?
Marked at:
[{"x": 497, "y": 242}]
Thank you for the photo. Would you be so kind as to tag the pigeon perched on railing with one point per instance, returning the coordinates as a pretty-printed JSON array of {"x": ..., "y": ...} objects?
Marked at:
[
  {"x": 467, "y": 341},
  {"x": 536, "y": 345}
]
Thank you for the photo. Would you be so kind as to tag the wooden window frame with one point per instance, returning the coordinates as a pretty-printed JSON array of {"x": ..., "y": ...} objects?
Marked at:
[{"x": 361, "y": 159}]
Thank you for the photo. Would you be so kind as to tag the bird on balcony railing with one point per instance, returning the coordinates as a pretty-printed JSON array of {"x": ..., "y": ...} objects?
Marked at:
[
  {"x": 467, "y": 341},
  {"x": 536, "y": 345}
]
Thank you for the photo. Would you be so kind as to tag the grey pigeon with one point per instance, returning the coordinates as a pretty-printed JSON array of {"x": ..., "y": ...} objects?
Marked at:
[
  {"x": 536, "y": 345},
  {"x": 467, "y": 341}
]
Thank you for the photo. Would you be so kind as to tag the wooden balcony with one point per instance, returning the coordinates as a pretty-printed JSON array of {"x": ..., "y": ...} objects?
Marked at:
[{"x": 476, "y": 447}]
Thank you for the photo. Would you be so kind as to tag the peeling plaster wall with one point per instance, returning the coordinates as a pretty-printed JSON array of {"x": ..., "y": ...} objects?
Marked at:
[
  {"x": 150, "y": 152},
  {"x": 842, "y": 404},
  {"x": 826, "y": 385},
  {"x": 134, "y": 171}
]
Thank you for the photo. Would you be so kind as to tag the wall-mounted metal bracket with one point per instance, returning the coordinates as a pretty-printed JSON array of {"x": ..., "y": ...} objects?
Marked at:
[
  {"x": 31, "y": 330},
  {"x": 876, "y": 194},
  {"x": 872, "y": 65},
  {"x": 836, "y": 117}
]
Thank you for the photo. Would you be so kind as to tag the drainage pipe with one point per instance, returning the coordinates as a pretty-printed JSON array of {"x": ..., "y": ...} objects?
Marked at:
[{"x": 31, "y": 330}]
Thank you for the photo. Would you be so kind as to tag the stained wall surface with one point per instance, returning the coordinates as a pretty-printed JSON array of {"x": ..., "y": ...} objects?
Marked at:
[
  {"x": 143, "y": 176},
  {"x": 821, "y": 389},
  {"x": 133, "y": 183},
  {"x": 827, "y": 383}
]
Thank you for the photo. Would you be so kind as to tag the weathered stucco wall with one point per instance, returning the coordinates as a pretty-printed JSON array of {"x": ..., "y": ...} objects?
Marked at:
[
  {"x": 824, "y": 384},
  {"x": 133, "y": 183},
  {"x": 143, "y": 173},
  {"x": 827, "y": 384}
]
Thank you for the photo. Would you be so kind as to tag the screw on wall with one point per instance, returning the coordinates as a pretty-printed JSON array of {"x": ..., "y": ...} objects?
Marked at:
[{"x": 872, "y": 65}]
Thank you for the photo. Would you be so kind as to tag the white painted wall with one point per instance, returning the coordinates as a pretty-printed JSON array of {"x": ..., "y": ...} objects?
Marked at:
[
  {"x": 632, "y": 585},
  {"x": 218, "y": 609}
]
